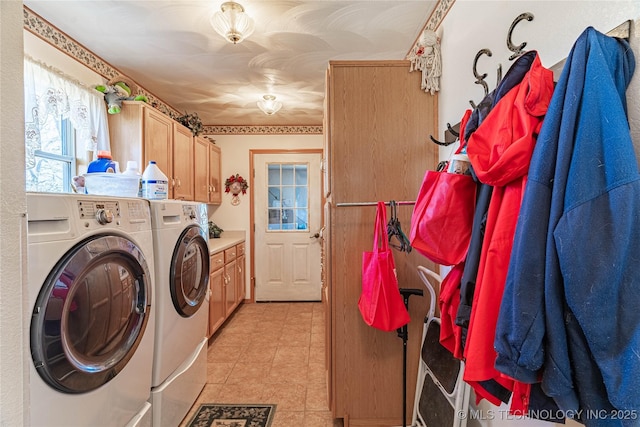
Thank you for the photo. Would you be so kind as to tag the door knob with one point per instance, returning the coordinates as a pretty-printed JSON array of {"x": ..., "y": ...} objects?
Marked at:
[{"x": 315, "y": 236}]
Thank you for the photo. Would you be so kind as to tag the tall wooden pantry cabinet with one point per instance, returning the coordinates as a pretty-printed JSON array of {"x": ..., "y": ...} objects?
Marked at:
[{"x": 377, "y": 147}]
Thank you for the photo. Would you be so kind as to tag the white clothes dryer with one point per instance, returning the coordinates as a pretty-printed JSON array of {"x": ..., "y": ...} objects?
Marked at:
[
  {"x": 180, "y": 242},
  {"x": 90, "y": 283}
]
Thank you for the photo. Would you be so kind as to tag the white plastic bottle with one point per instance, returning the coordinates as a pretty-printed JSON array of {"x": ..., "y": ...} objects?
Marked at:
[
  {"x": 155, "y": 184},
  {"x": 132, "y": 170}
]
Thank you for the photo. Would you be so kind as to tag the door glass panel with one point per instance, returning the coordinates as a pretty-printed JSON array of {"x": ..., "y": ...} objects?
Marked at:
[
  {"x": 301, "y": 197},
  {"x": 301, "y": 175},
  {"x": 288, "y": 196},
  {"x": 274, "y": 175},
  {"x": 274, "y": 197},
  {"x": 287, "y": 175}
]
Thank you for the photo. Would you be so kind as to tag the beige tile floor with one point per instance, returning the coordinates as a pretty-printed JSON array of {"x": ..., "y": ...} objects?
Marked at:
[{"x": 271, "y": 353}]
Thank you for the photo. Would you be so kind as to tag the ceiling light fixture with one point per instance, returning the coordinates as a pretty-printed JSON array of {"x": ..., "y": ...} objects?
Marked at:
[
  {"x": 232, "y": 23},
  {"x": 269, "y": 106}
]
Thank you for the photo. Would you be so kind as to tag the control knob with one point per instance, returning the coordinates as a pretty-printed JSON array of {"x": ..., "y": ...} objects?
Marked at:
[{"x": 104, "y": 216}]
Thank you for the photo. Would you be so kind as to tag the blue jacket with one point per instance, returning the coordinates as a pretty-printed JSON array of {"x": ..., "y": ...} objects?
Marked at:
[{"x": 573, "y": 286}]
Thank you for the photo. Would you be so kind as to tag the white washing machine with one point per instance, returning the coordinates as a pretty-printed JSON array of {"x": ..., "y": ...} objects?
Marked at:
[
  {"x": 90, "y": 275},
  {"x": 180, "y": 243}
]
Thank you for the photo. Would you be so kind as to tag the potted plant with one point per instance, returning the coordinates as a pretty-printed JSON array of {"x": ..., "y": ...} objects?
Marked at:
[
  {"x": 192, "y": 121},
  {"x": 214, "y": 230}
]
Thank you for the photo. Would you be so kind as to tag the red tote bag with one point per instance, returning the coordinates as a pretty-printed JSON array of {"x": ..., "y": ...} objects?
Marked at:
[
  {"x": 443, "y": 214},
  {"x": 443, "y": 217},
  {"x": 380, "y": 303}
]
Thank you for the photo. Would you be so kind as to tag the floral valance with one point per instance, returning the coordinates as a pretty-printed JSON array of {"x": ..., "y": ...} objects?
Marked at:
[{"x": 50, "y": 95}]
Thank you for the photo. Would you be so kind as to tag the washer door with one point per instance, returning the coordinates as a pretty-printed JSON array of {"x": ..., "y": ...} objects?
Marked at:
[
  {"x": 189, "y": 274},
  {"x": 91, "y": 314}
]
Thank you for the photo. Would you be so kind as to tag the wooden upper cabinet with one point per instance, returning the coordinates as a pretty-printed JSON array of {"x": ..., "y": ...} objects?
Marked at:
[
  {"x": 158, "y": 134},
  {"x": 182, "y": 177},
  {"x": 215, "y": 178},
  {"x": 207, "y": 171},
  {"x": 201, "y": 169},
  {"x": 142, "y": 133}
]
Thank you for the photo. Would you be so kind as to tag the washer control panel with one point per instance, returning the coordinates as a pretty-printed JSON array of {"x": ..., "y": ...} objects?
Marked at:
[{"x": 102, "y": 211}]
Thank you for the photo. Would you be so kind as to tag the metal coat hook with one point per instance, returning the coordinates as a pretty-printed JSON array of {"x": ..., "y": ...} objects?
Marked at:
[
  {"x": 513, "y": 48},
  {"x": 444, "y": 144},
  {"x": 452, "y": 131},
  {"x": 480, "y": 78}
]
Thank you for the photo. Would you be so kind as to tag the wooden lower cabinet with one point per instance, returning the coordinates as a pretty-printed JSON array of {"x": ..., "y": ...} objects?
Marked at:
[
  {"x": 240, "y": 279},
  {"x": 217, "y": 312},
  {"x": 231, "y": 301},
  {"x": 226, "y": 284},
  {"x": 241, "y": 290}
]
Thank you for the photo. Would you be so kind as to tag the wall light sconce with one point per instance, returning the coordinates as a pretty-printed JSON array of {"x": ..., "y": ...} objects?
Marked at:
[
  {"x": 269, "y": 105},
  {"x": 232, "y": 23}
]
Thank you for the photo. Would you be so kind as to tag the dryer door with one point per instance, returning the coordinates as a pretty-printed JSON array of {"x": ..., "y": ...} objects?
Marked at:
[
  {"x": 91, "y": 314},
  {"x": 189, "y": 274}
]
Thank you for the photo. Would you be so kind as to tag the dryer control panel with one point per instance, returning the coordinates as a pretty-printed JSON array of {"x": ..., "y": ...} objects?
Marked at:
[
  {"x": 195, "y": 214},
  {"x": 189, "y": 212}
]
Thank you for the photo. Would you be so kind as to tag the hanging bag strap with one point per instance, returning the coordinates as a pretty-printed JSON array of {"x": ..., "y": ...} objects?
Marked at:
[{"x": 380, "y": 242}]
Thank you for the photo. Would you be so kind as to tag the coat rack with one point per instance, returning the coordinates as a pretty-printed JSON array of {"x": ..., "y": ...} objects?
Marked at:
[{"x": 480, "y": 78}]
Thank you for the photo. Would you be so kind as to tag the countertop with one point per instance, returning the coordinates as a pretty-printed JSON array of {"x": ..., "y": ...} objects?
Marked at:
[{"x": 226, "y": 240}]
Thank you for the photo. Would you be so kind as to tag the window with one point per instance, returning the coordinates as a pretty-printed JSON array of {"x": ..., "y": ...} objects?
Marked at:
[
  {"x": 288, "y": 196},
  {"x": 55, "y": 162},
  {"x": 63, "y": 118}
]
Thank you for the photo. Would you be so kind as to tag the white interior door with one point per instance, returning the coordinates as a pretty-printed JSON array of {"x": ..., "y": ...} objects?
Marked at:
[{"x": 287, "y": 204}]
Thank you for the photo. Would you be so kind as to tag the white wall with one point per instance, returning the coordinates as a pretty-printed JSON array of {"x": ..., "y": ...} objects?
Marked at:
[
  {"x": 472, "y": 25},
  {"x": 235, "y": 159},
  {"x": 42, "y": 51},
  {"x": 13, "y": 327}
]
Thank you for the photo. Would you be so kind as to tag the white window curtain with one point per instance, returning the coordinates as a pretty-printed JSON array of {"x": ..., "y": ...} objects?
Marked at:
[{"x": 49, "y": 95}]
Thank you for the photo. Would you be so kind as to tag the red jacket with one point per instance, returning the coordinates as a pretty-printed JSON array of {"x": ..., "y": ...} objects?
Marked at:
[{"x": 500, "y": 151}]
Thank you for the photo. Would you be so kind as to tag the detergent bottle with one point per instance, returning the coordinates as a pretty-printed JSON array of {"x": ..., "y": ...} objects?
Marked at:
[{"x": 103, "y": 163}]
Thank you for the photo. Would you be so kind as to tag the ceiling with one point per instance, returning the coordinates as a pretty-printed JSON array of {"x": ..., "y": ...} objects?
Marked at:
[{"x": 170, "y": 49}]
